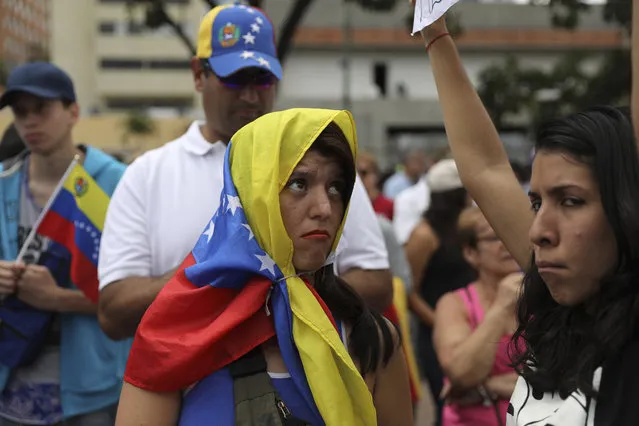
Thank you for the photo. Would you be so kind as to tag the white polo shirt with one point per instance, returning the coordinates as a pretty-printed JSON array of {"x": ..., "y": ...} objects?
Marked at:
[
  {"x": 167, "y": 197},
  {"x": 408, "y": 208}
]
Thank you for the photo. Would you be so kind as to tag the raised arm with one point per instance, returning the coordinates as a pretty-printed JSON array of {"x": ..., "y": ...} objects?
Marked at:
[{"x": 481, "y": 159}]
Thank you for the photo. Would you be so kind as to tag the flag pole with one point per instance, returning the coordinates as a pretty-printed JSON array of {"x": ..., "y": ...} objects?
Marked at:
[{"x": 46, "y": 208}]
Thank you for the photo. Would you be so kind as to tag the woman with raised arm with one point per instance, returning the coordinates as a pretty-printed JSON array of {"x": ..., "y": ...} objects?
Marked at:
[{"x": 577, "y": 238}]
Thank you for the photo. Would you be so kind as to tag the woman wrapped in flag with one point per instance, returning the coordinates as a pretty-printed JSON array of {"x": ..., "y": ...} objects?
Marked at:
[{"x": 255, "y": 328}]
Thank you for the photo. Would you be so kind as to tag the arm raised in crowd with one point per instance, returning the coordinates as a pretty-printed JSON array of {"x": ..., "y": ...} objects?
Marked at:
[{"x": 481, "y": 159}]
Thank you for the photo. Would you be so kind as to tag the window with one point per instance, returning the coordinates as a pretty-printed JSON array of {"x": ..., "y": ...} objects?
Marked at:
[
  {"x": 135, "y": 64},
  {"x": 135, "y": 28},
  {"x": 122, "y": 64},
  {"x": 144, "y": 103},
  {"x": 380, "y": 78},
  {"x": 166, "y": 1},
  {"x": 107, "y": 27}
]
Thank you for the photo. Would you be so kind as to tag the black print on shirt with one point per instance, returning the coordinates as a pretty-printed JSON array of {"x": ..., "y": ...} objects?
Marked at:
[{"x": 35, "y": 249}]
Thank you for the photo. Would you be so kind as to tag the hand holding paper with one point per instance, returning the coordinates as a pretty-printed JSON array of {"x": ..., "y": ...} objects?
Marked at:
[{"x": 429, "y": 11}]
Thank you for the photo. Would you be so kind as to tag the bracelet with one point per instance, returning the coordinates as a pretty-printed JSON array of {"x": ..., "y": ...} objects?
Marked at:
[{"x": 435, "y": 39}]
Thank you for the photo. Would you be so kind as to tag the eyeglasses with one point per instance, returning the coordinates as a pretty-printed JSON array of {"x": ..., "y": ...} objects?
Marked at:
[
  {"x": 241, "y": 79},
  {"x": 255, "y": 77},
  {"x": 491, "y": 239}
]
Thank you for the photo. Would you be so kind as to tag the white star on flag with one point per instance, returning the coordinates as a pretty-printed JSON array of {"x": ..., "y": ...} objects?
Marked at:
[
  {"x": 209, "y": 231},
  {"x": 233, "y": 204},
  {"x": 250, "y": 9},
  {"x": 267, "y": 263},
  {"x": 247, "y": 54},
  {"x": 247, "y": 226},
  {"x": 264, "y": 62},
  {"x": 259, "y": 20},
  {"x": 249, "y": 38},
  {"x": 255, "y": 28}
]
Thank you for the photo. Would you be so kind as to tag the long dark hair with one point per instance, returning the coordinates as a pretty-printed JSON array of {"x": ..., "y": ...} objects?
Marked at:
[
  {"x": 443, "y": 212},
  {"x": 563, "y": 345},
  {"x": 370, "y": 340}
]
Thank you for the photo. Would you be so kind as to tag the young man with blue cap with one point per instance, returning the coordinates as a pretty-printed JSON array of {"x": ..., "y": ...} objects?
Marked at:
[
  {"x": 167, "y": 196},
  {"x": 68, "y": 372}
]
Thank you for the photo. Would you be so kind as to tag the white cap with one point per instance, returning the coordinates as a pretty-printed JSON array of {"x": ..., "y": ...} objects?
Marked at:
[{"x": 443, "y": 176}]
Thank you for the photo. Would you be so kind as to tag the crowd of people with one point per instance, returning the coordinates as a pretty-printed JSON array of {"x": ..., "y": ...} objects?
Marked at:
[{"x": 262, "y": 270}]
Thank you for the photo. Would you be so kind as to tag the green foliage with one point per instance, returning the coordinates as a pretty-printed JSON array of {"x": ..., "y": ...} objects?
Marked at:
[
  {"x": 508, "y": 89},
  {"x": 156, "y": 16},
  {"x": 4, "y": 73},
  {"x": 139, "y": 123}
]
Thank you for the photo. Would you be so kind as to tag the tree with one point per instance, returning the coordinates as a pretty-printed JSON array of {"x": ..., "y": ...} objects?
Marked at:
[
  {"x": 156, "y": 16},
  {"x": 508, "y": 89},
  {"x": 4, "y": 74},
  {"x": 137, "y": 124}
]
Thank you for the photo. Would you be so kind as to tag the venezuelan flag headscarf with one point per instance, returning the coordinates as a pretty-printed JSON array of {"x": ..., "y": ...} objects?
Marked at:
[{"x": 213, "y": 310}]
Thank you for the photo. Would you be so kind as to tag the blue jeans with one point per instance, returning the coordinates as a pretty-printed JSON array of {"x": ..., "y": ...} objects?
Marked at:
[{"x": 104, "y": 417}]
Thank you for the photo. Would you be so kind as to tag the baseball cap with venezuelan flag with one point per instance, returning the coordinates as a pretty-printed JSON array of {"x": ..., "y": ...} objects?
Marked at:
[{"x": 236, "y": 36}]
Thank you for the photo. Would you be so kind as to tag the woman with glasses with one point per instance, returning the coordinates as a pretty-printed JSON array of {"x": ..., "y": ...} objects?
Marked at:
[
  {"x": 437, "y": 264},
  {"x": 473, "y": 327}
]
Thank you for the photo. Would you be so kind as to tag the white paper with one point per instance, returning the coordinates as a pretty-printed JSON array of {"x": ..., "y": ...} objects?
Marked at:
[{"x": 428, "y": 11}]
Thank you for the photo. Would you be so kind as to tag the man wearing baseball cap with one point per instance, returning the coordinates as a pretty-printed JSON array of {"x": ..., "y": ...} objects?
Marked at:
[
  {"x": 63, "y": 368},
  {"x": 168, "y": 195}
]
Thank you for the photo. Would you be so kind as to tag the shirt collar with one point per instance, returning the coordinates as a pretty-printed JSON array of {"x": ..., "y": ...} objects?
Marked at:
[{"x": 195, "y": 143}]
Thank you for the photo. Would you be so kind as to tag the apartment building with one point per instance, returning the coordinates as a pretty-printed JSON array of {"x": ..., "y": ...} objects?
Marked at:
[
  {"x": 116, "y": 62},
  {"x": 119, "y": 64},
  {"x": 23, "y": 30}
]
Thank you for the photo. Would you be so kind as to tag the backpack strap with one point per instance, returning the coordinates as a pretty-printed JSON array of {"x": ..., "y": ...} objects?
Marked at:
[{"x": 256, "y": 400}]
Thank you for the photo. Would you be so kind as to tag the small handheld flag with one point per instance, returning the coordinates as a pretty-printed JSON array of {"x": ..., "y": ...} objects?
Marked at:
[{"x": 74, "y": 217}]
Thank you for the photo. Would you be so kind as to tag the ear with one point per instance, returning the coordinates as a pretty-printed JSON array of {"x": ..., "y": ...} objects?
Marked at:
[
  {"x": 198, "y": 74},
  {"x": 471, "y": 256},
  {"x": 74, "y": 109}
]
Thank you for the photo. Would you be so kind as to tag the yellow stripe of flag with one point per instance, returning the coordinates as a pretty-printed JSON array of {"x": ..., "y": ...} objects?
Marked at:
[{"x": 89, "y": 197}]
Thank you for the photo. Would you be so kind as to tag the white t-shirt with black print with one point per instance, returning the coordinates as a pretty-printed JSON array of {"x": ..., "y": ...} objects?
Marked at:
[{"x": 529, "y": 408}]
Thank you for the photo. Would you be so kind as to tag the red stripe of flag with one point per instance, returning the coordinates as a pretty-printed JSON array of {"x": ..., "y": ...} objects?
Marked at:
[
  {"x": 189, "y": 332},
  {"x": 84, "y": 274}
]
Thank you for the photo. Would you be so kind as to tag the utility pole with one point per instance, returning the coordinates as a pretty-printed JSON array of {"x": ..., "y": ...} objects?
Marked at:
[{"x": 347, "y": 44}]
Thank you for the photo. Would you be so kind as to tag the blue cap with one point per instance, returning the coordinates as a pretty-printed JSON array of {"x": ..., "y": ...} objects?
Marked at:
[
  {"x": 41, "y": 79},
  {"x": 234, "y": 36}
]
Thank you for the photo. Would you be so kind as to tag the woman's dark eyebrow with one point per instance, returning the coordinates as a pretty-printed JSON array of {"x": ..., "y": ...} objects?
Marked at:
[{"x": 556, "y": 190}]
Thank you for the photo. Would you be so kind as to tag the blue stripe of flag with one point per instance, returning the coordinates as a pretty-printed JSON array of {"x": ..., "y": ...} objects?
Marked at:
[{"x": 87, "y": 236}]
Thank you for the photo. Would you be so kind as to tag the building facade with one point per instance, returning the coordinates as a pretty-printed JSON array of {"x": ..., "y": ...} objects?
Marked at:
[
  {"x": 118, "y": 64},
  {"x": 24, "y": 31}
]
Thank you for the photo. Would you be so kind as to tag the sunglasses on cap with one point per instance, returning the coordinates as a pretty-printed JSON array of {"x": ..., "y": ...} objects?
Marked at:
[{"x": 255, "y": 77}]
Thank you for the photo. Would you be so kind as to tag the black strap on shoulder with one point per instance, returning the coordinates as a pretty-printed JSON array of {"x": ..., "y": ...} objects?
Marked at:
[
  {"x": 256, "y": 400},
  {"x": 251, "y": 363}
]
